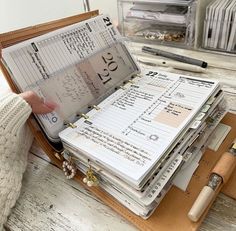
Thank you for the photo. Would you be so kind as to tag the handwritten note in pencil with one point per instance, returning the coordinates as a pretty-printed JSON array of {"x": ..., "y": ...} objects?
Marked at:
[{"x": 173, "y": 114}]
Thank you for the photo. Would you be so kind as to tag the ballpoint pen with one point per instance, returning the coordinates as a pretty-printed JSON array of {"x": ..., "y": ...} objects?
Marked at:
[
  {"x": 167, "y": 63},
  {"x": 219, "y": 175}
]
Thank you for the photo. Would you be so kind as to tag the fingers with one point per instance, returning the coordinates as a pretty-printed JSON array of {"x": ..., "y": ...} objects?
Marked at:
[
  {"x": 41, "y": 109},
  {"x": 51, "y": 104},
  {"x": 38, "y": 104}
]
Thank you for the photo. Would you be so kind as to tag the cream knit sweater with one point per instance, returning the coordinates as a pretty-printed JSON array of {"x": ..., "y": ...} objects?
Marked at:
[{"x": 15, "y": 141}]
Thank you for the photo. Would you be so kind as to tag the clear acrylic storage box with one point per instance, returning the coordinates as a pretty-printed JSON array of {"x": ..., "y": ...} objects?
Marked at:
[{"x": 170, "y": 22}]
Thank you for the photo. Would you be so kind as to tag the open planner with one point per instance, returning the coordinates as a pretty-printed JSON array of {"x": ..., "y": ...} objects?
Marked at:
[{"x": 135, "y": 129}]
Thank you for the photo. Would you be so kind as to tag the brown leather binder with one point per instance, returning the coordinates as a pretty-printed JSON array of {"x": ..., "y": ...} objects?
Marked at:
[{"x": 173, "y": 210}]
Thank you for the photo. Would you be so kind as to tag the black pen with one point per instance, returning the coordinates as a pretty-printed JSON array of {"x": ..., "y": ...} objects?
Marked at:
[{"x": 173, "y": 56}]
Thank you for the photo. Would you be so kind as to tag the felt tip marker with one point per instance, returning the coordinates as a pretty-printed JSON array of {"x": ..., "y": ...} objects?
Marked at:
[{"x": 173, "y": 56}]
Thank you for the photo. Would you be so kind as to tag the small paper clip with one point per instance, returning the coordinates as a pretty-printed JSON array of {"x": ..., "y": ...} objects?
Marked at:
[
  {"x": 131, "y": 81},
  {"x": 122, "y": 87}
]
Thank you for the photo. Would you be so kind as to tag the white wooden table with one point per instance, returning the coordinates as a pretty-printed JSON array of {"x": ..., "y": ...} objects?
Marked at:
[{"x": 50, "y": 202}]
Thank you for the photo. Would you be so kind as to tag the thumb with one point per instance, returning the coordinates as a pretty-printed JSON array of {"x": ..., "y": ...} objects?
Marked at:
[{"x": 51, "y": 104}]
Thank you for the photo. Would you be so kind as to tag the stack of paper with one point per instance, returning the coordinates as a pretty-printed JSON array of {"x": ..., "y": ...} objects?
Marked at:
[
  {"x": 220, "y": 25},
  {"x": 166, "y": 13},
  {"x": 141, "y": 135}
]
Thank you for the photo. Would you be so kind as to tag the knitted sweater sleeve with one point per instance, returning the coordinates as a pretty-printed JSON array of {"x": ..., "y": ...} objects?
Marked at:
[
  {"x": 15, "y": 141},
  {"x": 14, "y": 112}
]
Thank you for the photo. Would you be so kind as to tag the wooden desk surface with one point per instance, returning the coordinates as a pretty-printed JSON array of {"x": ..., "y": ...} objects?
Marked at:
[{"x": 50, "y": 202}]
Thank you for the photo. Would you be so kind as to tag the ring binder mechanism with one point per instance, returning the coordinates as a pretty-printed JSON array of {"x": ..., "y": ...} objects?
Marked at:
[
  {"x": 68, "y": 124},
  {"x": 96, "y": 107},
  {"x": 126, "y": 84},
  {"x": 86, "y": 117},
  {"x": 122, "y": 87}
]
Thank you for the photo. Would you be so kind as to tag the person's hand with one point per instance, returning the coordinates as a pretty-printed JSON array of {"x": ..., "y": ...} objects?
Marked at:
[{"x": 38, "y": 105}]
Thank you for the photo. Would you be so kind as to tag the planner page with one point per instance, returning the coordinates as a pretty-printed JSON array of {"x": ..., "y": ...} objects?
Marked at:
[
  {"x": 71, "y": 66},
  {"x": 136, "y": 125}
]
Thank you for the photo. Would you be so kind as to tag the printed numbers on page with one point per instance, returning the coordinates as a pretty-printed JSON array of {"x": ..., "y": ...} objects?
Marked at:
[
  {"x": 152, "y": 73},
  {"x": 107, "y": 21},
  {"x": 111, "y": 66}
]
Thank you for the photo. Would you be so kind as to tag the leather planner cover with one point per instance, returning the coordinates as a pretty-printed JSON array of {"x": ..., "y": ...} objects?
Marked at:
[{"x": 173, "y": 210}]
